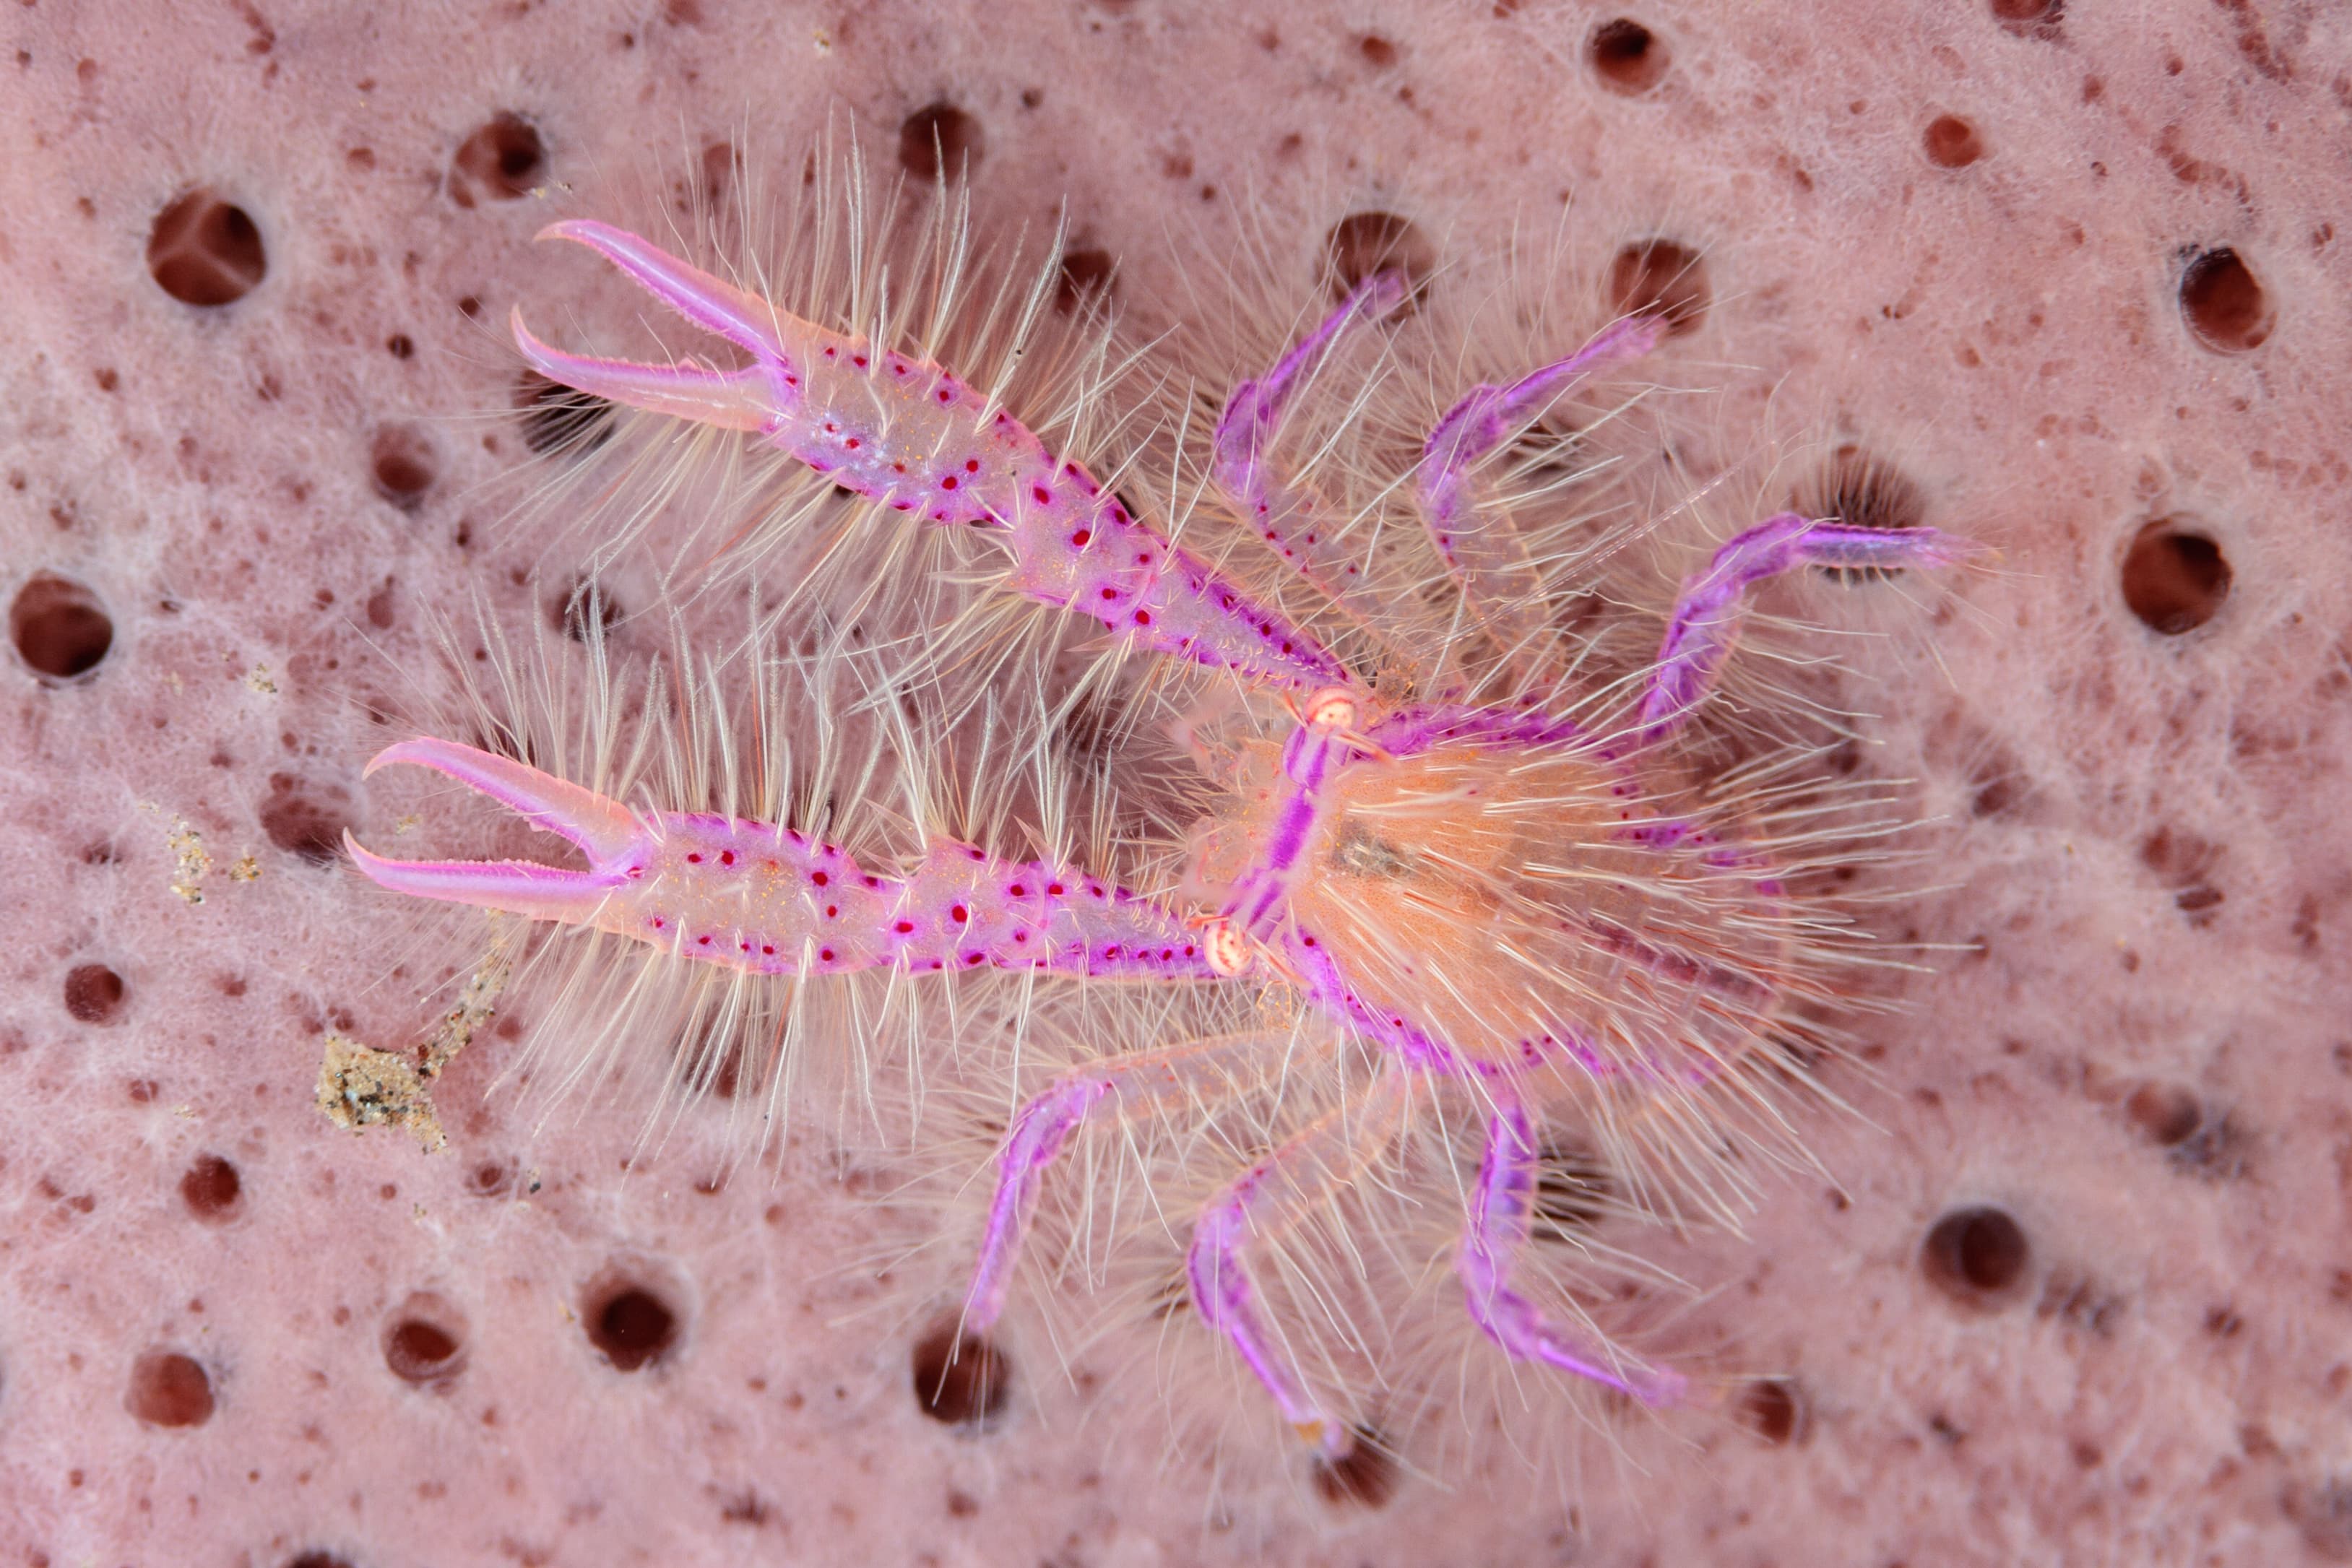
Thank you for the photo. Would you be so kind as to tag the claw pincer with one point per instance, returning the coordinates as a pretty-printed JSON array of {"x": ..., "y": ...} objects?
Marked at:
[{"x": 772, "y": 900}]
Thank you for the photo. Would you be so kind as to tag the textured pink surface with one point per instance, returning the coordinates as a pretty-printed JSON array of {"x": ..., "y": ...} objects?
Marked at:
[{"x": 2139, "y": 1054}]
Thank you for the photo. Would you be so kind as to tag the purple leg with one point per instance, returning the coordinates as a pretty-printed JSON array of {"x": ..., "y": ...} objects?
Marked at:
[
  {"x": 1494, "y": 1231},
  {"x": 1203, "y": 1070},
  {"x": 1484, "y": 553},
  {"x": 1707, "y": 616},
  {"x": 1294, "y": 522},
  {"x": 1262, "y": 1205}
]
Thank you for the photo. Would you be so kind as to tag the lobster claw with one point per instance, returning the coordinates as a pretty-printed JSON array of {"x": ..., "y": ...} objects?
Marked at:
[
  {"x": 606, "y": 830},
  {"x": 752, "y": 397}
]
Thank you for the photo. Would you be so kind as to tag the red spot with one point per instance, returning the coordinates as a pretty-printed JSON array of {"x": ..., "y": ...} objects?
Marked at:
[
  {"x": 971, "y": 464},
  {"x": 1045, "y": 496},
  {"x": 851, "y": 444},
  {"x": 1144, "y": 558},
  {"x": 1111, "y": 593},
  {"x": 819, "y": 878},
  {"x": 825, "y": 954},
  {"x": 1017, "y": 891},
  {"x": 972, "y": 957},
  {"x": 959, "y": 914},
  {"x": 1054, "y": 889},
  {"x": 770, "y": 952},
  {"x": 948, "y": 482},
  {"x": 725, "y": 857},
  {"x": 1111, "y": 951},
  {"x": 657, "y": 922},
  {"x": 858, "y": 360},
  {"x": 706, "y": 941},
  {"x": 1081, "y": 537},
  {"x": 905, "y": 927},
  {"x": 694, "y": 859},
  {"x": 831, "y": 910},
  {"x": 1143, "y": 618},
  {"x": 946, "y": 396}
]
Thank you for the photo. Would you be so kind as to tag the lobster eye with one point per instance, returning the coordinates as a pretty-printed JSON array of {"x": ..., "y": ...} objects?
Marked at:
[
  {"x": 1334, "y": 707},
  {"x": 1227, "y": 948}
]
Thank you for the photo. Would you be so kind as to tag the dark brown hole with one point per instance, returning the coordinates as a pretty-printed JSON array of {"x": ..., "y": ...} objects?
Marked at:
[
  {"x": 1085, "y": 277},
  {"x": 491, "y": 1178},
  {"x": 301, "y": 824},
  {"x": 168, "y": 1389},
  {"x": 936, "y": 137},
  {"x": 210, "y": 1188},
  {"x": 318, "y": 1560},
  {"x": 401, "y": 461},
  {"x": 588, "y": 605},
  {"x": 1775, "y": 1410},
  {"x": 205, "y": 251},
  {"x": 2028, "y": 18},
  {"x": 630, "y": 1325},
  {"x": 425, "y": 1343},
  {"x": 960, "y": 1380},
  {"x": 2167, "y": 1114},
  {"x": 1378, "y": 52},
  {"x": 1364, "y": 1477},
  {"x": 502, "y": 159},
  {"x": 1952, "y": 142},
  {"x": 2323, "y": 1514},
  {"x": 1661, "y": 277},
  {"x": 2174, "y": 580},
  {"x": 1627, "y": 57},
  {"x": 58, "y": 627},
  {"x": 93, "y": 993},
  {"x": 2224, "y": 303},
  {"x": 1572, "y": 1190},
  {"x": 561, "y": 419},
  {"x": 400, "y": 346},
  {"x": 1363, "y": 243},
  {"x": 1975, "y": 1254}
]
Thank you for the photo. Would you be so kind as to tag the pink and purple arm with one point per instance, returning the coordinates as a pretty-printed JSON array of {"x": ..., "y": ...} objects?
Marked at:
[
  {"x": 771, "y": 900},
  {"x": 908, "y": 436}
]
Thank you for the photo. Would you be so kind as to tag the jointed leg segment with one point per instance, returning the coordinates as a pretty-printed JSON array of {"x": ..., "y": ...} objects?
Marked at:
[{"x": 1492, "y": 1238}]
